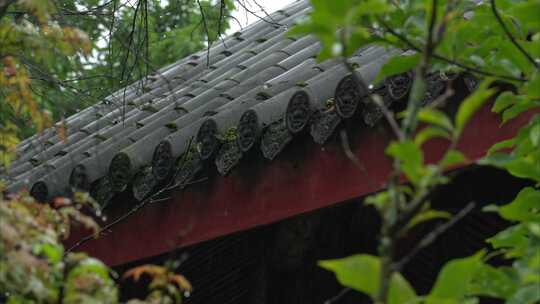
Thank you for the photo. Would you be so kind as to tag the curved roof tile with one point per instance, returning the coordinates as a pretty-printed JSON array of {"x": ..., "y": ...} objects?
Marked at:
[{"x": 257, "y": 88}]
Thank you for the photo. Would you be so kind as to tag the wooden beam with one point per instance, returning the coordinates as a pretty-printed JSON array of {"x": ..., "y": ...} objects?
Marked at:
[{"x": 304, "y": 177}]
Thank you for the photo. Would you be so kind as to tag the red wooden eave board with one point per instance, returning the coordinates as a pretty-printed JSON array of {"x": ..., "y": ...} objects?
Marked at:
[{"x": 304, "y": 177}]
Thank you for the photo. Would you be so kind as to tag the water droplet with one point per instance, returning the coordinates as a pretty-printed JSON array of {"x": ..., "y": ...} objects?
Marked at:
[{"x": 337, "y": 48}]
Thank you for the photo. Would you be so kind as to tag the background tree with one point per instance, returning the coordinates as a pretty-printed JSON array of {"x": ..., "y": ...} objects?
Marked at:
[
  {"x": 31, "y": 35},
  {"x": 104, "y": 46}
]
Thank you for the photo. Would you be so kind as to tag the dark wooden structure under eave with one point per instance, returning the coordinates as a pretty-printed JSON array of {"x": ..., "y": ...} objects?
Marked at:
[
  {"x": 249, "y": 143},
  {"x": 305, "y": 177}
]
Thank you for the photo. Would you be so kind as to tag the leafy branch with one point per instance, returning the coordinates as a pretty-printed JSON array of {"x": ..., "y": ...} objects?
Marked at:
[
  {"x": 430, "y": 30},
  {"x": 459, "y": 64},
  {"x": 510, "y": 36}
]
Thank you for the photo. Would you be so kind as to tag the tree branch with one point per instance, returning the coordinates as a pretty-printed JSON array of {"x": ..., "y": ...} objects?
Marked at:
[
  {"x": 338, "y": 297},
  {"x": 433, "y": 236},
  {"x": 466, "y": 67},
  {"x": 386, "y": 112},
  {"x": 418, "y": 91},
  {"x": 272, "y": 22},
  {"x": 510, "y": 36},
  {"x": 150, "y": 199},
  {"x": 207, "y": 33}
]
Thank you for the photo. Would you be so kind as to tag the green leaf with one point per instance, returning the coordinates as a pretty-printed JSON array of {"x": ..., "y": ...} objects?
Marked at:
[
  {"x": 332, "y": 9},
  {"x": 397, "y": 65},
  {"x": 494, "y": 282},
  {"x": 529, "y": 294},
  {"x": 512, "y": 105},
  {"x": 379, "y": 200},
  {"x": 507, "y": 52},
  {"x": 527, "y": 13},
  {"x": 435, "y": 117},
  {"x": 371, "y": 7},
  {"x": 522, "y": 105},
  {"x": 53, "y": 252},
  {"x": 525, "y": 207},
  {"x": 360, "y": 37},
  {"x": 362, "y": 273},
  {"x": 503, "y": 101},
  {"x": 499, "y": 160},
  {"x": 534, "y": 135},
  {"x": 524, "y": 168},
  {"x": 471, "y": 104},
  {"x": 411, "y": 157},
  {"x": 311, "y": 28},
  {"x": 514, "y": 239},
  {"x": 427, "y": 215},
  {"x": 518, "y": 166},
  {"x": 430, "y": 132},
  {"x": 90, "y": 265},
  {"x": 452, "y": 157},
  {"x": 325, "y": 31},
  {"x": 454, "y": 280},
  {"x": 505, "y": 144}
]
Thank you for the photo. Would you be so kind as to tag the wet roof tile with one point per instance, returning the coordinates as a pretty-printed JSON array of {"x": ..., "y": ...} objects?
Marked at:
[{"x": 258, "y": 87}]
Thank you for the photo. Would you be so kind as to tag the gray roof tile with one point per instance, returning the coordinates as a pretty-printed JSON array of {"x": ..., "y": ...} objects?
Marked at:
[{"x": 257, "y": 88}]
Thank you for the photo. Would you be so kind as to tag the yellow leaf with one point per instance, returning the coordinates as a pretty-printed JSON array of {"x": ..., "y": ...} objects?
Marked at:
[
  {"x": 150, "y": 270},
  {"x": 180, "y": 281}
]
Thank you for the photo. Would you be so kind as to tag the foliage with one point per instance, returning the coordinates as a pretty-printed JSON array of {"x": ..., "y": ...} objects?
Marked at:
[
  {"x": 520, "y": 242},
  {"x": 132, "y": 41},
  {"x": 34, "y": 267},
  {"x": 362, "y": 272},
  {"x": 166, "y": 285},
  {"x": 53, "y": 58},
  {"x": 35, "y": 40},
  {"x": 60, "y": 56},
  {"x": 498, "y": 42}
]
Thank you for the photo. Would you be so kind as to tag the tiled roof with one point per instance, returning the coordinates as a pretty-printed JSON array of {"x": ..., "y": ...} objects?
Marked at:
[{"x": 257, "y": 89}]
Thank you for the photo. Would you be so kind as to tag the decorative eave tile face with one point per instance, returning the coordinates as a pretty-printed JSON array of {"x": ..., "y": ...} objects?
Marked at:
[{"x": 258, "y": 89}]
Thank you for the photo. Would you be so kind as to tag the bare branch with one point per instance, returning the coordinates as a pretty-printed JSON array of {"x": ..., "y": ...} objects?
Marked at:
[
  {"x": 350, "y": 155},
  {"x": 338, "y": 297},
  {"x": 357, "y": 78},
  {"x": 433, "y": 236},
  {"x": 151, "y": 198},
  {"x": 220, "y": 20},
  {"x": 206, "y": 31},
  {"x": 255, "y": 14},
  {"x": 264, "y": 11}
]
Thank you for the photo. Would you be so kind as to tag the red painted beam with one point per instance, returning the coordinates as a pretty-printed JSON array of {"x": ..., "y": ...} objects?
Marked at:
[{"x": 304, "y": 177}]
